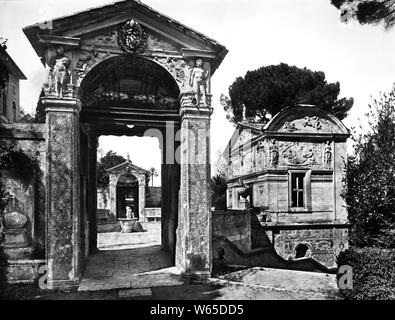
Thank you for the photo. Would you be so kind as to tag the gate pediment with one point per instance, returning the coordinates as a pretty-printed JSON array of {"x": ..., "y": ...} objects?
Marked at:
[{"x": 125, "y": 27}]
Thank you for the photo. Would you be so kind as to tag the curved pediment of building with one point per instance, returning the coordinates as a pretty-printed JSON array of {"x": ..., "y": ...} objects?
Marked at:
[{"x": 306, "y": 119}]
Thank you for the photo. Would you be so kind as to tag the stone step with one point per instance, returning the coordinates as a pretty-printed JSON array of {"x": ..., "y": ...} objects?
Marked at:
[{"x": 158, "y": 278}]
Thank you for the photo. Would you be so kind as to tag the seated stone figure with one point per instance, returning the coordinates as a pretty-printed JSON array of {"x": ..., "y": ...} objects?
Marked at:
[{"x": 129, "y": 213}]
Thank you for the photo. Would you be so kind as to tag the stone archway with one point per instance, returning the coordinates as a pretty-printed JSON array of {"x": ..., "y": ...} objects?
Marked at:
[
  {"x": 127, "y": 180},
  {"x": 127, "y": 195},
  {"x": 83, "y": 46}
]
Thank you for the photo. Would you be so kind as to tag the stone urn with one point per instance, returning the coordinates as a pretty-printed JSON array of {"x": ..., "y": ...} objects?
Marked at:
[
  {"x": 14, "y": 220},
  {"x": 130, "y": 225},
  {"x": 126, "y": 225},
  {"x": 15, "y": 233}
]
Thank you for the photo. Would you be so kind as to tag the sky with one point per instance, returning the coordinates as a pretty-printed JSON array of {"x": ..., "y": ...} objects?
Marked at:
[{"x": 305, "y": 33}]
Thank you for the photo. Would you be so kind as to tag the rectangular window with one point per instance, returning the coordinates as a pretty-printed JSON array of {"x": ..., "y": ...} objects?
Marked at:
[{"x": 297, "y": 190}]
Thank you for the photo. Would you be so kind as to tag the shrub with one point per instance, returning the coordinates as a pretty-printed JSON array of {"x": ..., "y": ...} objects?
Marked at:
[
  {"x": 369, "y": 189},
  {"x": 218, "y": 192},
  {"x": 373, "y": 273}
]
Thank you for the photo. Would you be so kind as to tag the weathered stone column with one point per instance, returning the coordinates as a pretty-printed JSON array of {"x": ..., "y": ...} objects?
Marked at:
[
  {"x": 193, "y": 251},
  {"x": 63, "y": 192}
]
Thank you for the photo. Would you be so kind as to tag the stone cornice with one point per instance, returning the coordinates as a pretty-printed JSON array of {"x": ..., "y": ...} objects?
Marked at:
[
  {"x": 66, "y": 105},
  {"x": 58, "y": 40}
]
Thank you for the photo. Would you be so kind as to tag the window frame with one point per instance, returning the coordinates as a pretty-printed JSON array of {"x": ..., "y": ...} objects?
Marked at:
[{"x": 306, "y": 191}]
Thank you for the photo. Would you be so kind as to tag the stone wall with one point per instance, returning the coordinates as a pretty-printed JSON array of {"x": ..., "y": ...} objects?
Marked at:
[
  {"x": 235, "y": 226},
  {"x": 25, "y": 246},
  {"x": 323, "y": 244},
  {"x": 29, "y": 198}
]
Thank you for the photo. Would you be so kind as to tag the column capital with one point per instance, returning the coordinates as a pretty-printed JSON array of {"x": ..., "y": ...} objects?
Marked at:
[{"x": 66, "y": 105}]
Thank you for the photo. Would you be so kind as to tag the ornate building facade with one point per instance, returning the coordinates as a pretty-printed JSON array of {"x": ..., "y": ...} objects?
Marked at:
[
  {"x": 289, "y": 172},
  {"x": 119, "y": 69}
]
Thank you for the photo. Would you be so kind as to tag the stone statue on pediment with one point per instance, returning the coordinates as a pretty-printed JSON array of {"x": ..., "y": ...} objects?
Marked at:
[
  {"x": 327, "y": 155},
  {"x": 198, "y": 82},
  {"x": 273, "y": 151},
  {"x": 59, "y": 73}
]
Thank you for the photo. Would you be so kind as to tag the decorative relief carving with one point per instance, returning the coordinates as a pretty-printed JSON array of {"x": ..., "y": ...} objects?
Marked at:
[
  {"x": 298, "y": 153},
  {"x": 309, "y": 124},
  {"x": 319, "y": 241},
  {"x": 174, "y": 66},
  {"x": 86, "y": 60},
  {"x": 272, "y": 154},
  {"x": 131, "y": 37},
  {"x": 289, "y": 126},
  {"x": 313, "y": 122},
  {"x": 144, "y": 100}
]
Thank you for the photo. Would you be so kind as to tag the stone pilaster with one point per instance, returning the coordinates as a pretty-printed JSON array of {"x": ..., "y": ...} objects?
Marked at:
[
  {"x": 113, "y": 197},
  {"x": 193, "y": 250},
  {"x": 92, "y": 196},
  {"x": 141, "y": 197},
  {"x": 62, "y": 192}
]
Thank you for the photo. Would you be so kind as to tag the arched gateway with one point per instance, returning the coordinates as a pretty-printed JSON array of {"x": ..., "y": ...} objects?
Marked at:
[{"x": 125, "y": 69}]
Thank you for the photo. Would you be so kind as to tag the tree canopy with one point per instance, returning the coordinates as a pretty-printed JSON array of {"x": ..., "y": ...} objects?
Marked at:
[
  {"x": 266, "y": 91},
  {"x": 367, "y": 11},
  {"x": 111, "y": 159},
  {"x": 39, "y": 116},
  {"x": 153, "y": 173},
  {"x": 370, "y": 178}
]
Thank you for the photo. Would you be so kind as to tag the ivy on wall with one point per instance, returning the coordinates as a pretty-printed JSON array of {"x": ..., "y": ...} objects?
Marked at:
[{"x": 24, "y": 169}]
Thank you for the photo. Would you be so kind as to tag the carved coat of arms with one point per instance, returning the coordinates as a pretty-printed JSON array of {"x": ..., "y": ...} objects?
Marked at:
[{"x": 130, "y": 36}]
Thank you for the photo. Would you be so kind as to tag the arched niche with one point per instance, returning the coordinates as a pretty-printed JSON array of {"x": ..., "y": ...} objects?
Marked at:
[{"x": 127, "y": 194}]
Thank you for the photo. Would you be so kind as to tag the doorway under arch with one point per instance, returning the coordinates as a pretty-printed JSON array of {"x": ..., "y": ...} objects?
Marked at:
[
  {"x": 127, "y": 195},
  {"x": 128, "y": 95}
]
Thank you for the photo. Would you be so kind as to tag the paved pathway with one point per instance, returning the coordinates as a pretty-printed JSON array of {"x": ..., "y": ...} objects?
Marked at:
[
  {"x": 134, "y": 264},
  {"x": 129, "y": 260},
  {"x": 283, "y": 284}
]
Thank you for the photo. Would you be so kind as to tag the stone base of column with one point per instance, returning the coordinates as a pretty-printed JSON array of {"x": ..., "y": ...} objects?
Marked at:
[
  {"x": 198, "y": 276},
  {"x": 65, "y": 285}
]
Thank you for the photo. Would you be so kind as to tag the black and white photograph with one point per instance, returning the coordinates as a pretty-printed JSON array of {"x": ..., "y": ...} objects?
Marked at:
[{"x": 215, "y": 151}]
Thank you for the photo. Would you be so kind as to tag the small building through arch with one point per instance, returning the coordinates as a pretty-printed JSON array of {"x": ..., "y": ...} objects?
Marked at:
[
  {"x": 127, "y": 189},
  {"x": 127, "y": 195}
]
